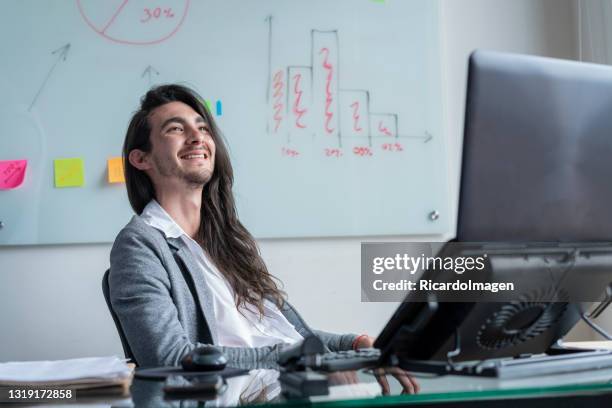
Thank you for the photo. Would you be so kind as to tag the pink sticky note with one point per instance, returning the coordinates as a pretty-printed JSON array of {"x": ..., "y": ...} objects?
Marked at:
[{"x": 12, "y": 173}]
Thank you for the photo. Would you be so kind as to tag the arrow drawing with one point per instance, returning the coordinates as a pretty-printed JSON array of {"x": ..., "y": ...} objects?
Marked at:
[
  {"x": 148, "y": 72},
  {"x": 62, "y": 54},
  {"x": 425, "y": 138}
]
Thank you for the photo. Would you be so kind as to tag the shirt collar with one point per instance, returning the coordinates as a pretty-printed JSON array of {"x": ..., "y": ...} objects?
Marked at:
[{"x": 155, "y": 216}]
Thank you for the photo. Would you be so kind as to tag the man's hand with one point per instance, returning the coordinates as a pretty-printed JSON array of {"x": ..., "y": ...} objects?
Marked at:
[
  {"x": 364, "y": 342},
  {"x": 408, "y": 382}
]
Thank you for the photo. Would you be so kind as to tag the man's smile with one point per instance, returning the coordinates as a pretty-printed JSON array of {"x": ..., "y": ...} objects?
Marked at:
[{"x": 195, "y": 154}]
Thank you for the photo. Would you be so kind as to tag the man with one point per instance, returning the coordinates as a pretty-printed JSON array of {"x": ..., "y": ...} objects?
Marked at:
[{"x": 185, "y": 272}]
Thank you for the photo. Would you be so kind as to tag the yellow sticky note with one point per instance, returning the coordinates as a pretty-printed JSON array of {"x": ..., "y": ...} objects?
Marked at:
[
  {"x": 69, "y": 172},
  {"x": 115, "y": 170}
]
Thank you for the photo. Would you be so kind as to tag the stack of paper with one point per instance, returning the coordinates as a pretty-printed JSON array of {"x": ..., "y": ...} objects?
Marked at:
[
  {"x": 589, "y": 345},
  {"x": 88, "y": 376}
]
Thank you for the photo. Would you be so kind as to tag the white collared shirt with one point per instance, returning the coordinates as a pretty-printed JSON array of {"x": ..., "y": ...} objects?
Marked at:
[{"x": 234, "y": 329}]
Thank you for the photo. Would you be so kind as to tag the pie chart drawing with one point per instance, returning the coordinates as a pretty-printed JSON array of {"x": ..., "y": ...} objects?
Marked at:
[{"x": 134, "y": 22}]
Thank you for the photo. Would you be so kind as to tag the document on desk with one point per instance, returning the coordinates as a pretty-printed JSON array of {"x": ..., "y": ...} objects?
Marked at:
[{"x": 91, "y": 371}]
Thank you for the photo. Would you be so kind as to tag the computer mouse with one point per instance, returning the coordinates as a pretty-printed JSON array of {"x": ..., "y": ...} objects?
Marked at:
[{"x": 205, "y": 358}]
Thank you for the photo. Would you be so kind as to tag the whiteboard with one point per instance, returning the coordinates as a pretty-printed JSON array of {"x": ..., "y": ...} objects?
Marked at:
[{"x": 332, "y": 110}]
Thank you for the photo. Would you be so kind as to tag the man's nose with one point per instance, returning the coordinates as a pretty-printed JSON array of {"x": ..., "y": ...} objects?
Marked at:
[{"x": 195, "y": 136}]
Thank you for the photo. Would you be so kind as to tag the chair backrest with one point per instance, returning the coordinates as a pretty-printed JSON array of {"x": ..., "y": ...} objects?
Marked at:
[{"x": 126, "y": 347}]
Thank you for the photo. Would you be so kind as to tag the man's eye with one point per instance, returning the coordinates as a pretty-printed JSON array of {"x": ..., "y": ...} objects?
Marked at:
[{"x": 175, "y": 129}]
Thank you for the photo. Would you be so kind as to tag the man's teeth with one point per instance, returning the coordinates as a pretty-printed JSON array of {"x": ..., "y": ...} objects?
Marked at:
[{"x": 196, "y": 156}]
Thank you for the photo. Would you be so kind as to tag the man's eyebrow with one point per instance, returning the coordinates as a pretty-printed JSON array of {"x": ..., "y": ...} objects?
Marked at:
[
  {"x": 176, "y": 119},
  {"x": 182, "y": 121},
  {"x": 200, "y": 119}
]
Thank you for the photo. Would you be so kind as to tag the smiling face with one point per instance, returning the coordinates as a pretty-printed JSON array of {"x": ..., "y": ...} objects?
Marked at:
[{"x": 182, "y": 148}]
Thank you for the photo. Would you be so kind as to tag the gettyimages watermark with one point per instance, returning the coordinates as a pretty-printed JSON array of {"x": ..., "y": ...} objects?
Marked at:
[{"x": 483, "y": 272}]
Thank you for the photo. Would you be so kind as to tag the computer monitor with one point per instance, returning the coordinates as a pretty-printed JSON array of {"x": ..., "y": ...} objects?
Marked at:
[
  {"x": 537, "y": 150},
  {"x": 537, "y": 160}
]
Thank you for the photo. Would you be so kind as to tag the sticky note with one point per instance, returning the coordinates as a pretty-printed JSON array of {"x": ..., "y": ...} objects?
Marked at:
[
  {"x": 12, "y": 173},
  {"x": 208, "y": 105},
  {"x": 219, "y": 108},
  {"x": 115, "y": 170},
  {"x": 69, "y": 172}
]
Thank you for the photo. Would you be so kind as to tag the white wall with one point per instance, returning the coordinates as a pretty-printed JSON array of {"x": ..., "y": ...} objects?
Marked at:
[
  {"x": 540, "y": 27},
  {"x": 595, "y": 31},
  {"x": 51, "y": 305}
]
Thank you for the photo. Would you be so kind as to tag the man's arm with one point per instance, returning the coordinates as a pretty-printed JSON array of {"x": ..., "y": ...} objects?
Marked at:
[
  {"x": 334, "y": 342},
  {"x": 140, "y": 296}
]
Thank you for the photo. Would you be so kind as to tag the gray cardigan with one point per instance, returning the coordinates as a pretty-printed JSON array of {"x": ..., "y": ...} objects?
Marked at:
[{"x": 164, "y": 303}]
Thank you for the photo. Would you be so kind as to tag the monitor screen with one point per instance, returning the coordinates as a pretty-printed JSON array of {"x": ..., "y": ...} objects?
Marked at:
[{"x": 537, "y": 154}]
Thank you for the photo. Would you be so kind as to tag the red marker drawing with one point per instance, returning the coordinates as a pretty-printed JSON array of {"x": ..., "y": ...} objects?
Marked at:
[
  {"x": 299, "y": 112},
  {"x": 383, "y": 129},
  {"x": 278, "y": 84},
  {"x": 356, "y": 116},
  {"x": 328, "y": 94}
]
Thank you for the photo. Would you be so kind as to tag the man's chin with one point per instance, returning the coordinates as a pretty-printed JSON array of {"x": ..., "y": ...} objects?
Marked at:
[{"x": 198, "y": 179}]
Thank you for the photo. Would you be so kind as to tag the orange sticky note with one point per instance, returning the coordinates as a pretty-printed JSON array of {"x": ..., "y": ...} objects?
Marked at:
[
  {"x": 12, "y": 173},
  {"x": 115, "y": 170}
]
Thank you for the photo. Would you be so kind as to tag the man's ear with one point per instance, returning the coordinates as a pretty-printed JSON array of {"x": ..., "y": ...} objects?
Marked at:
[{"x": 139, "y": 159}]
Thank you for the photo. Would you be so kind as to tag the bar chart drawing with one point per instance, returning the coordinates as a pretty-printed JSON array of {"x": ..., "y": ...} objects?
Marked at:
[{"x": 306, "y": 101}]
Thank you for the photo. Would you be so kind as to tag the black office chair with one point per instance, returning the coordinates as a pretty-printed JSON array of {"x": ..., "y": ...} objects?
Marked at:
[{"x": 126, "y": 347}]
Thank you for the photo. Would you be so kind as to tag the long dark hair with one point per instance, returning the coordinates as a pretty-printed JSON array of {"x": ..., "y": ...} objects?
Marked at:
[{"x": 221, "y": 234}]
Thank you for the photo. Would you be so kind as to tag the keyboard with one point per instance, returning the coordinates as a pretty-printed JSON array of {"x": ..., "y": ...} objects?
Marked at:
[{"x": 349, "y": 359}]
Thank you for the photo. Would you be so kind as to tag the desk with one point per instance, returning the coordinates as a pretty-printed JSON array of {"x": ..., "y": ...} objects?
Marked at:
[{"x": 585, "y": 389}]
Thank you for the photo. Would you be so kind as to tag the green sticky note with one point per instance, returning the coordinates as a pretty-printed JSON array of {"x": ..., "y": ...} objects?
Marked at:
[
  {"x": 208, "y": 104},
  {"x": 69, "y": 172}
]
